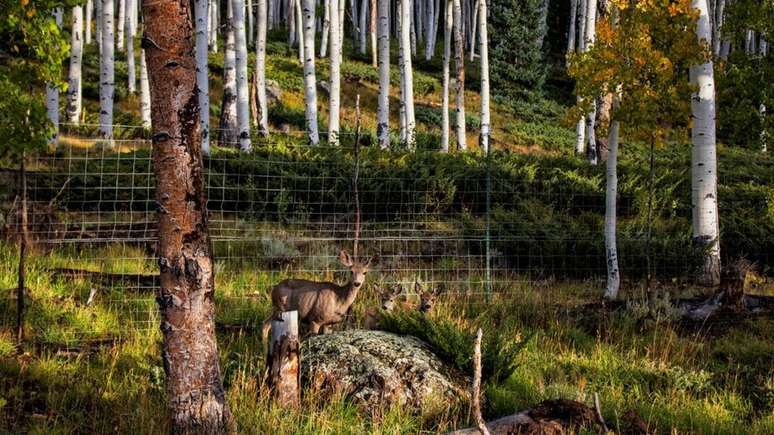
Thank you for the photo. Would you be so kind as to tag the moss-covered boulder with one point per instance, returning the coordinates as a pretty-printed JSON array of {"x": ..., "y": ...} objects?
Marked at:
[{"x": 376, "y": 369}]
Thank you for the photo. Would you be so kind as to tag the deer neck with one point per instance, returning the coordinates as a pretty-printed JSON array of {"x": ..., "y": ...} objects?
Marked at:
[{"x": 347, "y": 294}]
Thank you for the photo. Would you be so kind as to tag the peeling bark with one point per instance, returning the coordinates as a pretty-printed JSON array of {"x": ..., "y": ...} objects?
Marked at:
[{"x": 195, "y": 393}]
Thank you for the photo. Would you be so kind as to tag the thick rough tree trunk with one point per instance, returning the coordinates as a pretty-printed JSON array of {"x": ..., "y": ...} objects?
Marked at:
[
  {"x": 242, "y": 83},
  {"x": 260, "y": 68},
  {"x": 447, "y": 36},
  {"x": 704, "y": 191},
  {"x": 383, "y": 109},
  {"x": 195, "y": 394},
  {"x": 107, "y": 72},
  {"x": 228, "y": 111},
  {"x": 52, "y": 92},
  {"x": 335, "y": 76},
  {"x": 202, "y": 16},
  {"x": 145, "y": 99},
  {"x": 484, "y": 50},
  {"x": 408, "y": 74},
  {"x": 74, "y": 82},
  {"x": 310, "y": 78},
  {"x": 611, "y": 196},
  {"x": 459, "y": 85}
]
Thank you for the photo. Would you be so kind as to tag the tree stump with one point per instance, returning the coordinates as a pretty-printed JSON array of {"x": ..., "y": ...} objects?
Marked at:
[{"x": 283, "y": 363}]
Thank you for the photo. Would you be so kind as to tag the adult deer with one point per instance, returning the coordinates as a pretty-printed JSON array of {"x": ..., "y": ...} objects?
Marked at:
[{"x": 318, "y": 303}]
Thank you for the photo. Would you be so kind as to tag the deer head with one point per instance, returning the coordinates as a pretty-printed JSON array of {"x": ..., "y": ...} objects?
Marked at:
[
  {"x": 426, "y": 298},
  {"x": 357, "y": 269},
  {"x": 390, "y": 297}
]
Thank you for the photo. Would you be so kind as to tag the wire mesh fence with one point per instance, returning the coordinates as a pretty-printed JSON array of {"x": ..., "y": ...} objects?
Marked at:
[{"x": 462, "y": 223}]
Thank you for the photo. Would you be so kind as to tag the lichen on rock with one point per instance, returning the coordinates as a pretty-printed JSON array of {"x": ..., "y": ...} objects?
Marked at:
[{"x": 377, "y": 369}]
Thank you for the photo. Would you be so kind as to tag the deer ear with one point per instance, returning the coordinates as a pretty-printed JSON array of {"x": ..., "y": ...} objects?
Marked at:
[
  {"x": 418, "y": 288},
  {"x": 345, "y": 259},
  {"x": 373, "y": 261}
]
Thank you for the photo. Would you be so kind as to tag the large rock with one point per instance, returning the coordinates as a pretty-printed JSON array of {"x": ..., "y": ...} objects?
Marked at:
[{"x": 376, "y": 368}]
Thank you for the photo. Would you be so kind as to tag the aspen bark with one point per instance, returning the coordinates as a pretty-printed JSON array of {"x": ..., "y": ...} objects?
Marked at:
[
  {"x": 98, "y": 17},
  {"x": 383, "y": 109},
  {"x": 242, "y": 84},
  {"x": 611, "y": 196},
  {"x": 326, "y": 28},
  {"x": 430, "y": 33},
  {"x": 447, "y": 36},
  {"x": 300, "y": 31},
  {"x": 334, "y": 103},
  {"x": 131, "y": 70},
  {"x": 473, "y": 29},
  {"x": 363, "y": 25},
  {"x": 74, "y": 82},
  {"x": 372, "y": 32},
  {"x": 195, "y": 394},
  {"x": 87, "y": 22},
  {"x": 408, "y": 74},
  {"x": 580, "y": 127},
  {"x": 459, "y": 85},
  {"x": 591, "y": 137},
  {"x": 484, "y": 52},
  {"x": 401, "y": 73},
  {"x": 120, "y": 25},
  {"x": 107, "y": 72},
  {"x": 571, "y": 31},
  {"x": 145, "y": 100},
  {"x": 310, "y": 80},
  {"x": 214, "y": 25},
  {"x": 704, "y": 159},
  {"x": 228, "y": 111},
  {"x": 260, "y": 67},
  {"x": 250, "y": 28},
  {"x": 202, "y": 15},
  {"x": 52, "y": 92}
]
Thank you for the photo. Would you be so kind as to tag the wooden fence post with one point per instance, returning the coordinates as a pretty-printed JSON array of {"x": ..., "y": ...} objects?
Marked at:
[{"x": 284, "y": 359}]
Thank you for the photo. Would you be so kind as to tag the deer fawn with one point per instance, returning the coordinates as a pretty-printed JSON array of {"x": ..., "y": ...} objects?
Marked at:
[
  {"x": 318, "y": 303},
  {"x": 388, "y": 300},
  {"x": 426, "y": 298}
]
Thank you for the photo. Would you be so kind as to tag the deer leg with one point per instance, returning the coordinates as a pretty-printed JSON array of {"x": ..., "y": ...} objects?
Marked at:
[
  {"x": 314, "y": 328},
  {"x": 326, "y": 329}
]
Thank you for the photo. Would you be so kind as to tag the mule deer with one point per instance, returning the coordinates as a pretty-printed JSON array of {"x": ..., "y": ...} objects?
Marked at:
[
  {"x": 318, "y": 303},
  {"x": 426, "y": 298},
  {"x": 388, "y": 300}
]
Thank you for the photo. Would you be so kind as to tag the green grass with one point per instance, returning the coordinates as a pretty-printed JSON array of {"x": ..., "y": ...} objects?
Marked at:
[{"x": 674, "y": 379}]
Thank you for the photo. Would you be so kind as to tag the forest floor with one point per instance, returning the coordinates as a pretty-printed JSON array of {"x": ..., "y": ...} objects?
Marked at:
[{"x": 92, "y": 359}]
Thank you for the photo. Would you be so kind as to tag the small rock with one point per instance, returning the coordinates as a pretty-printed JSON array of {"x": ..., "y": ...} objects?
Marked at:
[{"x": 273, "y": 92}]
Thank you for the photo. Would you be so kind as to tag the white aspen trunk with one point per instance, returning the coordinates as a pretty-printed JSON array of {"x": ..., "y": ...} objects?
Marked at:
[
  {"x": 326, "y": 28},
  {"x": 354, "y": 20},
  {"x": 131, "y": 70},
  {"x": 290, "y": 19},
  {"x": 270, "y": 14},
  {"x": 334, "y": 102},
  {"x": 372, "y": 31},
  {"x": 571, "y": 32},
  {"x": 107, "y": 71},
  {"x": 459, "y": 85},
  {"x": 544, "y": 22},
  {"x": 342, "y": 8},
  {"x": 591, "y": 137},
  {"x": 611, "y": 194},
  {"x": 120, "y": 27},
  {"x": 719, "y": 19},
  {"x": 762, "y": 45},
  {"x": 408, "y": 74},
  {"x": 250, "y": 28},
  {"x": 201, "y": 16},
  {"x": 310, "y": 81},
  {"x": 228, "y": 109},
  {"x": 402, "y": 52},
  {"x": 411, "y": 28},
  {"x": 363, "y": 26},
  {"x": 704, "y": 159},
  {"x": 243, "y": 90},
  {"x": 764, "y": 135},
  {"x": 98, "y": 23},
  {"x": 429, "y": 34},
  {"x": 473, "y": 29},
  {"x": 213, "y": 25},
  {"x": 145, "y": 109},
  {"x": 484, "y": 50},
  {"x": 383, "y": 109},
  {"x": 300, "y": 31},
  {"x": 135, "y": 15},
  {"x": 580, "y": 127},
  {"x": 87, "y": 24},
  {"x": 74, "y": 82},
  {"x": 447, "y": 37},
  {"x": 52, "y": 92},
  {"x": 260, "y": 67}
]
